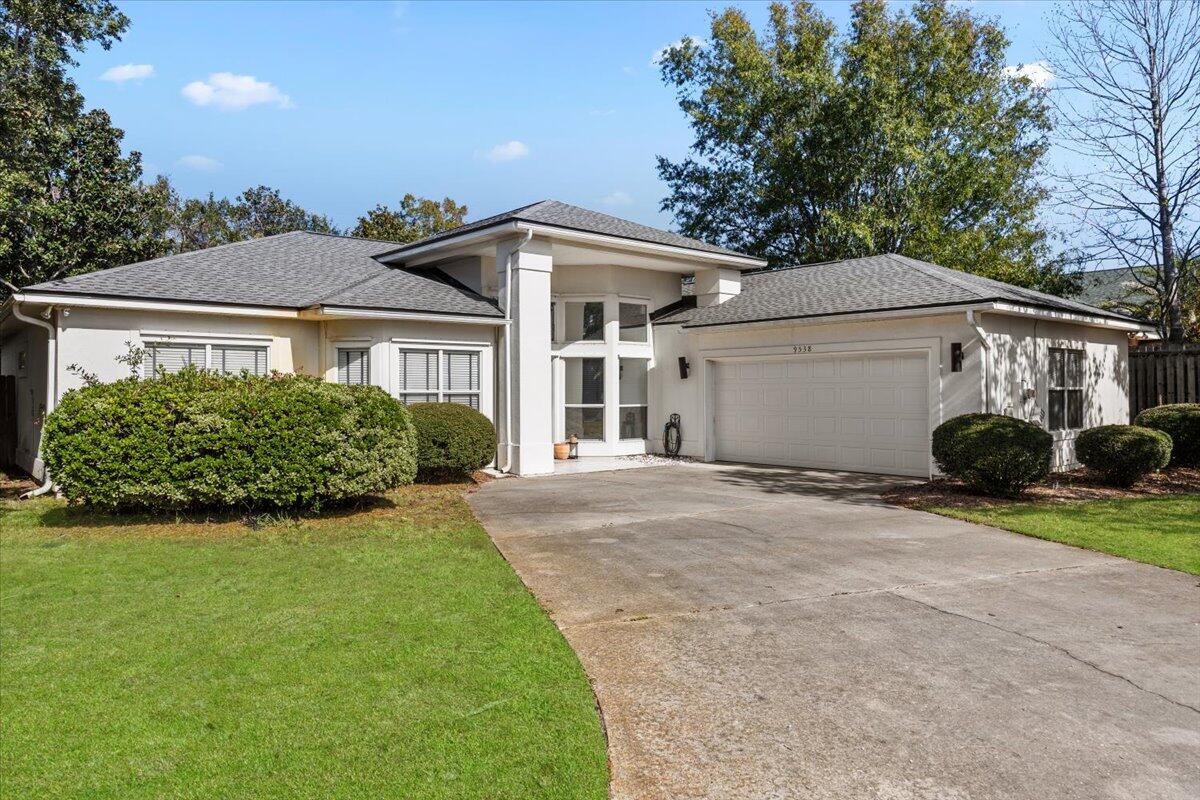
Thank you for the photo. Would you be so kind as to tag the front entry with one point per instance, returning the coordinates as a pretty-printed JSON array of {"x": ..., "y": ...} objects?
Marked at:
[{"x": 860, "y": 412}]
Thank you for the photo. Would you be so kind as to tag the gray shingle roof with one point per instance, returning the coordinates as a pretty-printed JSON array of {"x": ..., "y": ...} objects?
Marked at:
[
  {"x": 1108, "y": 286},
  {"x": 564, "y": 215},
  {"x": 292, "y": 270},
  {"x": 875, "y": 283}
]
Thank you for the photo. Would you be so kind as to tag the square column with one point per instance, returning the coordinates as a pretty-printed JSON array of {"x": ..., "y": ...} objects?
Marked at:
[{"x": 531, "y": 379}]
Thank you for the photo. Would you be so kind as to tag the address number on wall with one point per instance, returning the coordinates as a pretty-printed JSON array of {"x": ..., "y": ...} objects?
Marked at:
[{"x": 802, "y": 348}]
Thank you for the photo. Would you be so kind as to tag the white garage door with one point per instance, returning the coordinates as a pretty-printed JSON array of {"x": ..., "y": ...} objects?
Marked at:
[{"x": 867, "y": 412}]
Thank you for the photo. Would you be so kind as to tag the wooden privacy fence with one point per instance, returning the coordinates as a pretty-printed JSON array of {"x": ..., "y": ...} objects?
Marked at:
[{"x": 1163, "y": 373}]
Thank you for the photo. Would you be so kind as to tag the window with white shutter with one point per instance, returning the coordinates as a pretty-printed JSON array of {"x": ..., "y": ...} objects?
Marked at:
[
  {"x": 236, "y": 359},
  {"x": 417, "y": 378},
  {"x": 438, "y": 375},
  {"x": 354, "y": 367},
  {"x": 162, "y": 358},
  {"x": 461, "y": 382}
]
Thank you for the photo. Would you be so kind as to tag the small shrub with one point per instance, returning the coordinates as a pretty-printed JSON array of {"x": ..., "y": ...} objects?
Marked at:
[
  {"x": 1181, "y": 422},
  {"x": 198, "y": 439},
  {"x": 453, "y": 440},
  {"x": 991, "y": 453},
  {"x": 1123, "y": 454}
]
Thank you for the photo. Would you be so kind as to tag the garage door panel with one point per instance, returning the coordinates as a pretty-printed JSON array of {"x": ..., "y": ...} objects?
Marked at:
[{"x": 866, "y": 412}]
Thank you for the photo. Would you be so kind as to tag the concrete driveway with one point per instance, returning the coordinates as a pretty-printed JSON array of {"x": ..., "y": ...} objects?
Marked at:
[{"x": 757, "y": 632}]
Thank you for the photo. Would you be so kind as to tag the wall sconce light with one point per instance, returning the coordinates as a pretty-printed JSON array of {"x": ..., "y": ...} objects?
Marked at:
[
  {"x": 683, "y": 368},
  {"x": 956, "y": 357}
]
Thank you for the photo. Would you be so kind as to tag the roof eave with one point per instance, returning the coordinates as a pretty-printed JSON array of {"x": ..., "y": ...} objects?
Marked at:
[{"x": 325, "y": 311}]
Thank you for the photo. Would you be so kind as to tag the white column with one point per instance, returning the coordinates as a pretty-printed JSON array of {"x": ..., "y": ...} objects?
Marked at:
[{"x": 531, "y": 377}]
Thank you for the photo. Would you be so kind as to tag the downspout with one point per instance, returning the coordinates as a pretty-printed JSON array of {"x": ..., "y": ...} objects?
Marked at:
[
  {"x": 508, "y": 290},
  {"x": 987, "y": 347},
  {"x": 51, "y": 384}
]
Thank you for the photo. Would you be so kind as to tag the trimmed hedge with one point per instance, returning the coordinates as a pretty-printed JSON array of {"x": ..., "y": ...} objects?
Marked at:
[
  {"x": 1123, "y": 454},
  {"x": 453, "y": 440},
  {"x": 1180, "y": 421},
  {"x": 198, "y": 439},
  {"x": 992, "y": 453}
]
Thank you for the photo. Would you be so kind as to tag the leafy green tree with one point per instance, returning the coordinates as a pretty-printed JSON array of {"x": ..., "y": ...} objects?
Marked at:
[
  {"x": 908, "y": 135},
  {"x": 70, "y": 201},
  {"x": 416, "y": 218},
  {"x": 262, "y": 211}
]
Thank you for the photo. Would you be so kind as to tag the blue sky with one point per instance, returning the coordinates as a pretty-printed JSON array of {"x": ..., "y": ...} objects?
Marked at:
[{"x": 345, "y": 105}]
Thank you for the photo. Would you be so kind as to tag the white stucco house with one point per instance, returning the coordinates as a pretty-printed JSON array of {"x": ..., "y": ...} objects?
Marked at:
[{"x": 553, "y": 320}]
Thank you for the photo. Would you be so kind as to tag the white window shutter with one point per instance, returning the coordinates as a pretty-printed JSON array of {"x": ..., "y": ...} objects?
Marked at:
[
  {"x": 232, "y": 360},
  {"x": 418, "y": 370},
  {"x": 172, "y": 358},
  {"x": 462, "y": 372},
  {"x": 354, "y": 367}
]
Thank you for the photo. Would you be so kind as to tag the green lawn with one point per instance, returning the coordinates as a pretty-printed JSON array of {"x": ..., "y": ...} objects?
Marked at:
[
  {"x": 1161, "y": 530},
  {"x": 390, "y": 653}
]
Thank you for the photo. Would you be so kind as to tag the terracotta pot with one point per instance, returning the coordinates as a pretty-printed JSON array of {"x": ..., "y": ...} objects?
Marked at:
[{"x": 562, "y": 451}]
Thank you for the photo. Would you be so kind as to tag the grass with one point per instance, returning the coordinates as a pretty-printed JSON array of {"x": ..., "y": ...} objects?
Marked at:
[
  {"x": 1164, "y": 531},
  {"x": 389, "y": 653}
]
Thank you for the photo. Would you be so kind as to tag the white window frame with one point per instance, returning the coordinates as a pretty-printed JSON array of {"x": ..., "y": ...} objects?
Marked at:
[
  {"x": 441, "y": 348},
  {"x": 645, "y": 405},
  {"x": 208, "y": 342},
  {"x": 603, "y": 406},
  {"x": 364, "y": 347},
  {"x": 1066, "y": 388}
]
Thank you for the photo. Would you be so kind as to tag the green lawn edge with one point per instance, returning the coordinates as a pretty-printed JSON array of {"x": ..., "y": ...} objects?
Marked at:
[{"x": 1163, "y": 531}]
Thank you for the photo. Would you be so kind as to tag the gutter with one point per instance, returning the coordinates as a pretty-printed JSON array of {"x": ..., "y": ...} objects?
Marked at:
[
  {"x": 987, "y": 348},
  {"x": 508, "y": 290},
  {"x": 51, "y": 382}
]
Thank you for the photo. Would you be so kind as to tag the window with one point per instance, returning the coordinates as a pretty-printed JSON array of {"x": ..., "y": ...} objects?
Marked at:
[
  {"x": 431, "y": 376},
  {"x": 584, "y": 400},
  {"x": 584, "y": 321},
  {"x": 633, "y": 322},
  {"x": 354, "y": 366},
  {"x": 1066, "y": 389},
  {"x": 169, "y": 358},
  {"x": 234, "y": 360},
  {"x": 633, "y": 398}
]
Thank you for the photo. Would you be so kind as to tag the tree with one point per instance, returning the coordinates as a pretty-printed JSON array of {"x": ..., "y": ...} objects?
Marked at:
[
  {"x": 416, "y": 218},
  {"x": 194, "y": 223},
  {"x": 1128, "y": 93},
  {"x": 909, "y": 136},
  {"x": 70, "y": 201}
]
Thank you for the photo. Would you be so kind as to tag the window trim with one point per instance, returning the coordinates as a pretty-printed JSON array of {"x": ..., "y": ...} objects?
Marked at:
[
  {"x": 363, "y": 347},
  {"x": 602, "y": 405},
  {"x": 645, "y": 405},
  {"x": 1066, "y": 388},
  {"x": 208, "y": 343},
  {"x": 441, "y": 349},
  {"x": 645, "y": 326}
]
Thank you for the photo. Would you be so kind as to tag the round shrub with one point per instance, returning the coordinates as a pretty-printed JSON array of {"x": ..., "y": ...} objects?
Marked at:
[
  {"x": 198, "y": 439},
  {"x": 1181, "y": 422},
  {"x": 1123, "y": 454},
  {"x": 992, "y": 453},
  {"x": 453, "y": 440}
]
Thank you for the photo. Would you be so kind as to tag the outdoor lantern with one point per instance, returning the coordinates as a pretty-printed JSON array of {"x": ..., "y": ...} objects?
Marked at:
[{"x": 574, "y": 443}]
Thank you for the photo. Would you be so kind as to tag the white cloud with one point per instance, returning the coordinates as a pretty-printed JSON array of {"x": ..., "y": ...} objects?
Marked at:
[
  {"x": 508, "y": 151},
  {"x": 617, "y": 198},
  {"x": 602, "y": 112},
  {"x": 1038, "y": 73},
  {"x": 128, "y": 72},
  {"x": 661, "y": 52},
  {"x": 199, "y": 163},
  {"x": 629, "y": 70},
  {"x": 230, "y": 92}
]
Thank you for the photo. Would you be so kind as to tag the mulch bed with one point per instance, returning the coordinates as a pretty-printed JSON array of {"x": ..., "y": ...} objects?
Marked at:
[
  {"x": 1061, "y": 487},
  {"x": 12, "y": 484}
]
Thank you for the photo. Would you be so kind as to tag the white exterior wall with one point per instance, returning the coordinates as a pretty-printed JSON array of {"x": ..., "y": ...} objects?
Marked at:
[
  {"x": 1022, "y": 357},
  {"x": 953, "y": 393}
]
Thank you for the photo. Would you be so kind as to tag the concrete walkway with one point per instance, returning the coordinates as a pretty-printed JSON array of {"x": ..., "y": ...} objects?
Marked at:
[{"x": 759, "y": 632}]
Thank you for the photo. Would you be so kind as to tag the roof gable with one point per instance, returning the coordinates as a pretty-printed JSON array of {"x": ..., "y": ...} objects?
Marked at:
[{"x": 563, "y": 215}]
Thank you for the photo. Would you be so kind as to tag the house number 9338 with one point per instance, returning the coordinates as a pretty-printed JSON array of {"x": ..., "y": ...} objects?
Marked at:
[{"x": 802, "y": 348}]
